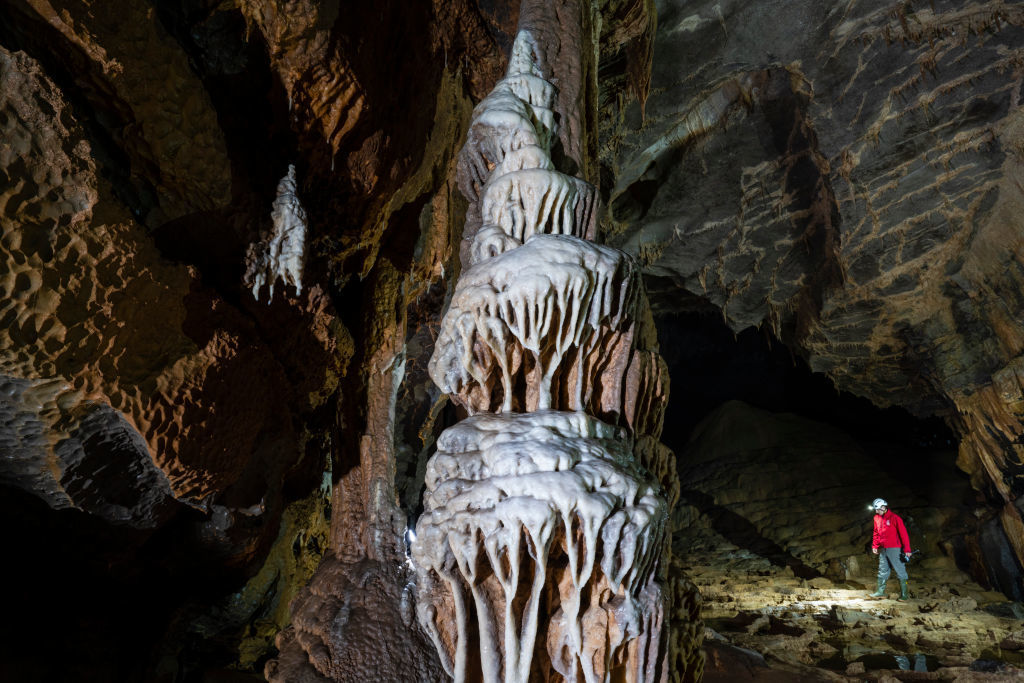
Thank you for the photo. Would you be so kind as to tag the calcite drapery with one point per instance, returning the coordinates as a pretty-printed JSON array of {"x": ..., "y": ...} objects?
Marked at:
[
  {"x": 516, "y": 497},
  {"x": 551, "y": 311},
  {"x": 544, "y": 512}
]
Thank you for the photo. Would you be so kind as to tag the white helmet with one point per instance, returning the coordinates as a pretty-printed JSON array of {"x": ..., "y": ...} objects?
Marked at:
[{"x": 879, "y": 503}]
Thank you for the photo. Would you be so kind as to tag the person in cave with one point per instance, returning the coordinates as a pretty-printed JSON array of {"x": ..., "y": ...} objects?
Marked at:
[{"x": 892, "y": 545}]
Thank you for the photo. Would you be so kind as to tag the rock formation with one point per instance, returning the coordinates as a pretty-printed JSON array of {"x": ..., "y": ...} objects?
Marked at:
[
  {"x": 539, "y": 523},
  {"x": 280, "y": 254},
  {"x": 541, "y": 552},
  {"x": 545, "y": 316},
  {"x": 860, "y": 195},
  {"x": 845, "y": 178}
]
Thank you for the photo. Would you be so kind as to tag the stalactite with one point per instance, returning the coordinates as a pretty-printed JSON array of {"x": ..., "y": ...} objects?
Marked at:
[{"x": 281, "y": 253}]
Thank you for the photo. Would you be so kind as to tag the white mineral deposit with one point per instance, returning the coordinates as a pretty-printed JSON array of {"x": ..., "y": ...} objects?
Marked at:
[
  {"x": 281, "y": 254},
  {"x": 543, "y": 512},
  {"x": 539, "y": 302},
  {"x": 538, "y": 483}
]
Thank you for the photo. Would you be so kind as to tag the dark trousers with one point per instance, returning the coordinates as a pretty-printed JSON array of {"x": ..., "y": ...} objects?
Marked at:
[{"x": 889, "y": 560}]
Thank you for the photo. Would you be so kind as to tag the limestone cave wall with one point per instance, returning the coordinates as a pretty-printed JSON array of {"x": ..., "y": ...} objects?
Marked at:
[{"x": 847, "y": 176}]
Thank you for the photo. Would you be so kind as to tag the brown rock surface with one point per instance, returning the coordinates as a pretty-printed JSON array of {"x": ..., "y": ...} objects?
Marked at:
[
  {"x": 363, "y": 631},
  {"x": 849, "y": 175},
  {"x": 131, "y": 382},
  {"x": 68, "y": 349},
  {"x": 122, "y": 60}
]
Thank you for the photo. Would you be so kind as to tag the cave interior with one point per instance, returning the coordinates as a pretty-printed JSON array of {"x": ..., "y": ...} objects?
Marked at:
[{"x": 210, "y": 480}]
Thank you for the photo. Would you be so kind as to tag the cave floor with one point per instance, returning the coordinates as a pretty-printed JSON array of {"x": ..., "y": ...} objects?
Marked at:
[{"x": 763, "y": 623}]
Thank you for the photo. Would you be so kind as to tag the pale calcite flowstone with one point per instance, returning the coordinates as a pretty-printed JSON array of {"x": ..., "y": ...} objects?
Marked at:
[
  {"x": 506, "y": 161},
  {"x": 540, "y": 530},
  {"x": 516, "y": 114},
  {"x": 536, "y": 200},
  {"x": 281, "y": 254},
  {"x": 556, "y": 300},
  {"x": 508, "y": 493}
]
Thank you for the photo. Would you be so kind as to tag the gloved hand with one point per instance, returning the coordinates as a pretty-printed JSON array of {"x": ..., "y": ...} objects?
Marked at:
[{"x": 874, "y": 550}]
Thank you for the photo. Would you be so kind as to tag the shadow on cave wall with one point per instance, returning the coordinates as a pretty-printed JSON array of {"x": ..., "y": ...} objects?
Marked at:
[
  {"x": 88, "y": 599},
  {"x": 710, "y": 364}
]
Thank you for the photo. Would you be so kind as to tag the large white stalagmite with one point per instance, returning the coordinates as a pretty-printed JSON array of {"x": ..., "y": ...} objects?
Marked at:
[{"x": 541, "y": 549}]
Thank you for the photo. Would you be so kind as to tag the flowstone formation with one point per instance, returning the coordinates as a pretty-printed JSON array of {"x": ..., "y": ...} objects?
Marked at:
[
  {"x": 280, "y": 254},
  {"x": 542, "y": 552},
  {"x": 500, "y": 490}
]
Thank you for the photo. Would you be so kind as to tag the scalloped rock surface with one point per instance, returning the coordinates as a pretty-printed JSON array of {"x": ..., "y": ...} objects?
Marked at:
[{"x": 851, "y": 175}]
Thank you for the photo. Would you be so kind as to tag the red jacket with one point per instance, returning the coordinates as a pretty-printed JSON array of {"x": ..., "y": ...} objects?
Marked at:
[{"x": 890, "y": 532}]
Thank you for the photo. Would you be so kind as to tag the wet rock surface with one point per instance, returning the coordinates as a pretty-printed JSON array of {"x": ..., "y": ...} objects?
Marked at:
[{"x": 769, "y": 625}]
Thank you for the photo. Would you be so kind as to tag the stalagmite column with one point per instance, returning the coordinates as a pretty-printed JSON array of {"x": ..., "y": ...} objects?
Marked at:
[{"x": 542, "y": 551}]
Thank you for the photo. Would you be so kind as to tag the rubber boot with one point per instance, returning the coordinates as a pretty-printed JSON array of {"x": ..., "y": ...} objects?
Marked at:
[
  {"x": 904, "y": 590},
  {"x": 880, "y": 593}
]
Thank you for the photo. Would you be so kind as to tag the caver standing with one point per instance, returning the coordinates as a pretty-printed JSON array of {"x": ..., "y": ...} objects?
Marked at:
[{"x": 892, "y": 545}]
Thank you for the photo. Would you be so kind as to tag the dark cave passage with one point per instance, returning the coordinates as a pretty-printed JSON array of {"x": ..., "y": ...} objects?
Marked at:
[
  {"x": 95, "y": 603},
  {"x": 908, "y": 457},
  {"x": 710, "y": 364}
]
